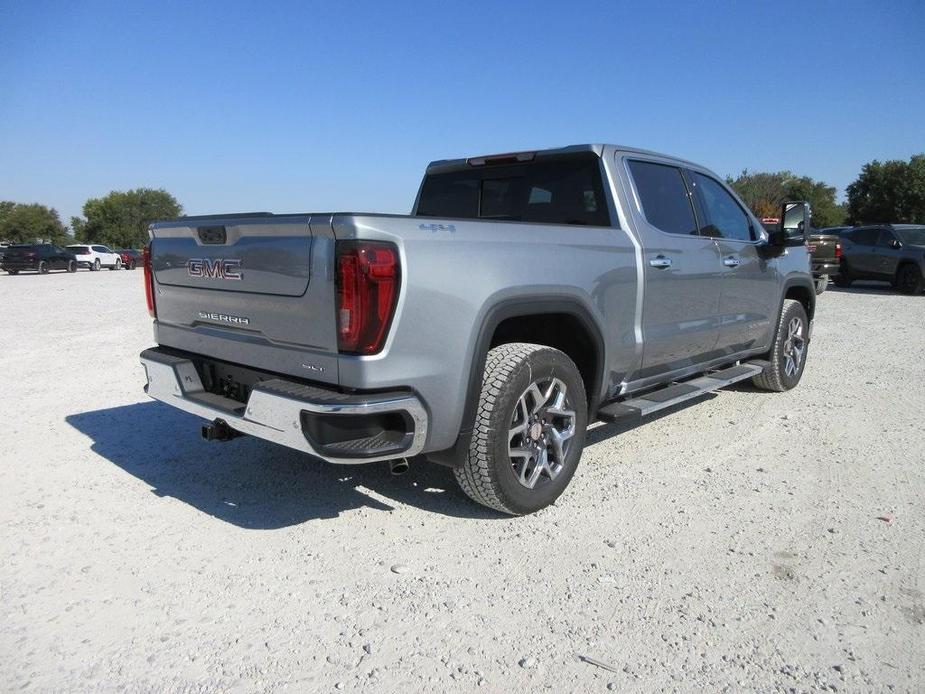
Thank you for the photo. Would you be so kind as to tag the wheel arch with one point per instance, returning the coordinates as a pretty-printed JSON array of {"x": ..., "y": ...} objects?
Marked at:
[
  {"x": 908, "y": 262},
  {"x": 802, "y": 290},
  {"x": 532, "y": 319}
]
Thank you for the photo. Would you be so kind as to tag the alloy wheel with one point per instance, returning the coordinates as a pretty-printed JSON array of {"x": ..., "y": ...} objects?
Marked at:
[
  {"x": 541, "y": 430},
  {"x": 794, "y": 347}
]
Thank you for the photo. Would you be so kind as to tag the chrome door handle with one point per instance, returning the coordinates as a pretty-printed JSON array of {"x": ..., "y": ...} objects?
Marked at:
[
  {"x": 731, "y": 261},
  {"x": 661, "y": 262}
]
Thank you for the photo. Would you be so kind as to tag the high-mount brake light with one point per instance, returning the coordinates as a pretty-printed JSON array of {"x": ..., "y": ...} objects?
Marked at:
[
  {"x": 508, "y": 158},
  {"x": 149, "y": 280},
  {"x": 368, "y": 274}
]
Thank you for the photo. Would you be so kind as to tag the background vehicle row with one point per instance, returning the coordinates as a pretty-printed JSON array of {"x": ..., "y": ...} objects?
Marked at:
[{"x": 45, "y": 257}]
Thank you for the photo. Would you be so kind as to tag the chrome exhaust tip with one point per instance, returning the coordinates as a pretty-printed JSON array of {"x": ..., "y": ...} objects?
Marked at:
[{"x": 398, "y": 466}]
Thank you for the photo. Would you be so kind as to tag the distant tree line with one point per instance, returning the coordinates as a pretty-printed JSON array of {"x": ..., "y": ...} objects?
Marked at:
[
  {"x": 21, "y": 223},
  {"x": 765, "y": 192},
  {"x": 118, "y": 220},
  {"x": 890, "y": 191}
]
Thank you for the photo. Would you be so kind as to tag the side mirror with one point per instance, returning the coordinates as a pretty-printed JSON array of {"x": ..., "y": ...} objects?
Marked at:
[{"x": 794, "y": 221}]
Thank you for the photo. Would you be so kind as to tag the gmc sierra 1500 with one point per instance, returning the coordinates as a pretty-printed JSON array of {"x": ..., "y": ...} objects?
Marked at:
[{"x": 527, "y": 295}]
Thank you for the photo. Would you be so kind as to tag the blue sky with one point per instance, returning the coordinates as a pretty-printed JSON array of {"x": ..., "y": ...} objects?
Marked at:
[{"x": 303, "y": 106}]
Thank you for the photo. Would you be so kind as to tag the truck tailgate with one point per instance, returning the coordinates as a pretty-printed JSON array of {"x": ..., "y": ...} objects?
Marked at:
[
  {"x": 257, "y": 291},
  {"x": 822, "y": 247}
]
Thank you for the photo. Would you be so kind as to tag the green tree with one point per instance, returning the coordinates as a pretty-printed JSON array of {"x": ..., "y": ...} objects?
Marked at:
[
  {"x": 821, "y": 197},
  {"x": 121, "y": 219},
  {"x": 890, "y": 191},
  {"x": 764, "y": 192},
  {"x": 28, "y": 223}
]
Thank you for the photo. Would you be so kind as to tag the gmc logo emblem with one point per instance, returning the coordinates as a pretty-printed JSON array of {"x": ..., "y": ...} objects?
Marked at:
[{"x": 216, "y": 268}]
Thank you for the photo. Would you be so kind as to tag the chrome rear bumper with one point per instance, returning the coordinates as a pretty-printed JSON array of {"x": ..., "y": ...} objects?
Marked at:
[{"x": 277, "y": 410}]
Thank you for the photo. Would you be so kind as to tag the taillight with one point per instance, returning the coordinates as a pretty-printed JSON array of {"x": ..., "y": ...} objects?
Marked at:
[
  {"x": 149, "y": 280},
  {"x": 368, "y": 274},
  {"x": 838, "y": 249}
]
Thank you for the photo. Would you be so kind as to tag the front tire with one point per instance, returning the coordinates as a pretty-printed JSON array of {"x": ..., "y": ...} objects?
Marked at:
[
  {"x": 117, "y": 266},
  {"x": 12, "y": 272},
  {"x": 529, "y": 429},
  {"x": 909, "y": 279},
  {"x": 42, "y": 268},
  {"x": 787, "y": 358},
  {"x": 821, "y": 283},
  {"x": 95, "y": 266}
]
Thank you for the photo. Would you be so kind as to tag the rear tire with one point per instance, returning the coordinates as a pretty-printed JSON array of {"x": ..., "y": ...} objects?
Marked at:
[
  {"x": 71, "y": 266},
  {"x": 909, "y": 279},
  {"x": 42, "y": 268},
  {"x": 821, "y": 283},
  {"x": 130, "y": 266},
  {"x": 787, "y": 358},
  {"x": 12, "y": 272},
  {"x": 95, "y": 266},
  {"x": 117, "y": 266},
  {"x": 529, "y": 429}
]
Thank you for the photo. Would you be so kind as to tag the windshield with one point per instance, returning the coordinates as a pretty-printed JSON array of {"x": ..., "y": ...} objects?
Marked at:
[
  {"x": 914, "y": 236},
  {"x": 79, "y": 250}
]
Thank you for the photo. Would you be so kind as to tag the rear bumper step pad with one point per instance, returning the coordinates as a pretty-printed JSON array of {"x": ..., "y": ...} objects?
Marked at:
[{"x": 275, "y": 407}]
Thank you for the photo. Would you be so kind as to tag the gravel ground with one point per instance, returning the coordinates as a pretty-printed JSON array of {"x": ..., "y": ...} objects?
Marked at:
[{"x": 751, "y": 541}]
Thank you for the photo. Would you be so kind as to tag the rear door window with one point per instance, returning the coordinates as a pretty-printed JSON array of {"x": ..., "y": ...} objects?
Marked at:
[
  {"x": 557, "y": 190},
  {"x": 664, "y": 197},
  {"x": 722, "y": 216},
  {"x": 886, "y": 237},
  {"x": 100, "y": 249},
  {"x": 864, "y": 237}
]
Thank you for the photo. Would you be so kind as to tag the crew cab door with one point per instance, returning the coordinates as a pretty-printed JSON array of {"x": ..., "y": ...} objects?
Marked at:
[
  {"x": 886, "y": 256},
  {"x": 862, "y": 258},
  {"x": 748, "y": 297},
  {"x": 681, "y": 272}
]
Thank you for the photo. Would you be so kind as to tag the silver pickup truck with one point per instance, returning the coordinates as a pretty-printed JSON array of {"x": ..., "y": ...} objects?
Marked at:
[{"x": 527, "y": 295}]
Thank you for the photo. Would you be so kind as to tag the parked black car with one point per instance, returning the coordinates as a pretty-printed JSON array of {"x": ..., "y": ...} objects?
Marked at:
[
  {"x": 892, "y": 253},
  {"x": 39, "y": 257}
]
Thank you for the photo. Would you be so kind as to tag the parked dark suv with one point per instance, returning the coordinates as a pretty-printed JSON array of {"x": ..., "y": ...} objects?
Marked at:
[
  {"x": 40, "y": 257},
  {"x": 892, "y": 253}
]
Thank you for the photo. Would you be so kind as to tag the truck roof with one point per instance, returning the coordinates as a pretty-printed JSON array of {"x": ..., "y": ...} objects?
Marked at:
[{"x": 440, "y": 165}]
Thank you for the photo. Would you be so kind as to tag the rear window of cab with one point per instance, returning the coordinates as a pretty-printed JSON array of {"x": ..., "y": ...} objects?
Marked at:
[{"x": 561, "y": 190}]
